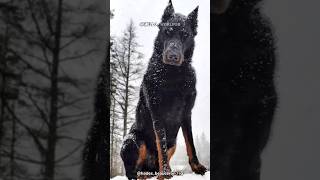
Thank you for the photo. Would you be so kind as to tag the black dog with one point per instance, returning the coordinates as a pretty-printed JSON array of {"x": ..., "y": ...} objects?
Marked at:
[
  {"x": 167, "y": 97},
  {"x": 244, "y": 96},
  {"x": 95, "y": 153}
]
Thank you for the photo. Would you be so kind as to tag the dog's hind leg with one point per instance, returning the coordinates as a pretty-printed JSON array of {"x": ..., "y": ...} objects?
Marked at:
[{"x": 133, "y": 154}]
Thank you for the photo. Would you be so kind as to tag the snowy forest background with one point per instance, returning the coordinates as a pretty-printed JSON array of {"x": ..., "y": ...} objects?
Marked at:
[
  {"x": 132, "y": 45},
  {"x": 50, "y": 55}
]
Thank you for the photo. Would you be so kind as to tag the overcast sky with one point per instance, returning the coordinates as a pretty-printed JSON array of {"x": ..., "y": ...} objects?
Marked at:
[{"x": 151, "y": 11}]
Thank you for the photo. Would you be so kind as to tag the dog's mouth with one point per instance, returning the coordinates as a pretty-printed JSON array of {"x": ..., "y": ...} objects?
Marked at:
[{"x": 172, "y": 58}]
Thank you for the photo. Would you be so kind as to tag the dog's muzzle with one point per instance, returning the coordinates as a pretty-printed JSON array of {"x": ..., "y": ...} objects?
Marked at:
[{"x": 172, "y": 54}]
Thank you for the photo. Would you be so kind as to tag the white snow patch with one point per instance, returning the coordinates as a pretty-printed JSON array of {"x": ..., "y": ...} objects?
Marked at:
[{"x": 183, "y": 177}]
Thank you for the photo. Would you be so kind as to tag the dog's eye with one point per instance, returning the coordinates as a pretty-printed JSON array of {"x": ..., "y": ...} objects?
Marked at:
[
  {"x": 185, "y": 34},
  {"x": 169, "y": 31}
]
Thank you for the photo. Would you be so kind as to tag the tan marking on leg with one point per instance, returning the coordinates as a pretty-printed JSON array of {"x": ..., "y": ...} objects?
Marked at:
[
  {"x": 142, "y": 154},
  {"x": 142, "y": 157},
  {"x": 160, "y": 158},
  {"x": 188, "y": 146}
]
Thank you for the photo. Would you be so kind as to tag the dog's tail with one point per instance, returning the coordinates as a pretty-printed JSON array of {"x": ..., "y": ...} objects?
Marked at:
[{"x": 95, "y": 153}]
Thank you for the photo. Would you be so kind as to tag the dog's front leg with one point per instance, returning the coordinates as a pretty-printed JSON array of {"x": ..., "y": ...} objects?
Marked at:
[
  {"x": 153, "y": 100},
  {"x": 188, "y": 137},
  {"x": 193, "y": 159},
  {"x": 161, "y": 142}
]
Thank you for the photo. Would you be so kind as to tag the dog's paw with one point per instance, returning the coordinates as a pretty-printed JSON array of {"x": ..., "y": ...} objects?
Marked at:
[
  {"x": 165, "y": 174},
  {"x": 198, "y": 168},
  {"x": 162, "y": 177},
  {"x": 143, "y": 177}
]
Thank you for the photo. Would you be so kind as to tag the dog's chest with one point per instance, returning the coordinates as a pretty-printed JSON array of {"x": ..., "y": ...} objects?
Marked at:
[
  {"x": 180, "y": 84},
  {"x": 173, "y": 108},
  {"x": 174, "y": 92}
]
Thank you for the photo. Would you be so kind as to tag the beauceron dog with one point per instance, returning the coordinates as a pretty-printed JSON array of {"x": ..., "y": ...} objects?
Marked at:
[{"x": 167, "y": 96}]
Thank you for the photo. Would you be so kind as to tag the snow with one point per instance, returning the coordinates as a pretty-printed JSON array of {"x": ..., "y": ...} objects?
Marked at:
[{"x": 183, "y": 177}]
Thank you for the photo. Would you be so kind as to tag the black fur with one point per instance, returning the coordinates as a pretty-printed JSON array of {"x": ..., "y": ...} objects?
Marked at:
[
  {"x": 167, "y": 97},
  {"x": 244, "y": 95},
  {"x": 96, "y": 153}
]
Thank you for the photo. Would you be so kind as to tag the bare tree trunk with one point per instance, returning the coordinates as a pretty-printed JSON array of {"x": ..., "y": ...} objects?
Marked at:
[
  {"x": 3, "y": 50},
  {"x": 52, "y": 136},
  {"x": 12, "y": 148},
  {"x": 126, "y": 102},
  {"x": 112, "y": 136}
]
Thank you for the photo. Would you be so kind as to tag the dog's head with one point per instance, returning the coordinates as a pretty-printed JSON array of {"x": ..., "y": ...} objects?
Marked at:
[{"x": 176, "y": 36}]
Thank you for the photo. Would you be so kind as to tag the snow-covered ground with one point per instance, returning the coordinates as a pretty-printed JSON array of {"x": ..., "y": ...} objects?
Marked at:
[{"x": 183, "y": 177}]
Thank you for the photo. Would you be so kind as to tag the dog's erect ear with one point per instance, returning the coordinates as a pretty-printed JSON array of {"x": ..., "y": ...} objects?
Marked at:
[
  {"x": 168, "y": 12},
  {"x": 193, "y": 20}
]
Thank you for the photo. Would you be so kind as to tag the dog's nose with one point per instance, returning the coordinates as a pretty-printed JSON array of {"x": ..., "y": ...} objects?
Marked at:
[{"x": 173, "y": 57}]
